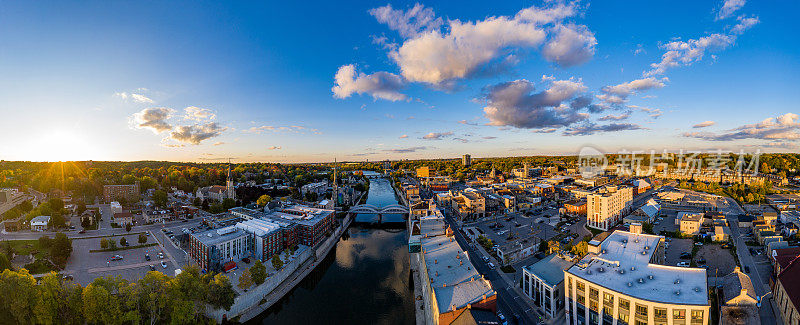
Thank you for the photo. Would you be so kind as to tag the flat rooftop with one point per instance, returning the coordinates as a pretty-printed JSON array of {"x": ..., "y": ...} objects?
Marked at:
[
  {"x": 550, "y": 269},
  {"x": 452, "y": 276},
  {"x": 623, "y": 265},
  {"x": 300, "y": 214},
  {"x": 221, "y": 235}
]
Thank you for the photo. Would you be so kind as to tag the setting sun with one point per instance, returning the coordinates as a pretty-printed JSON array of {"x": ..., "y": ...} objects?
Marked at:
[{"x": 61, "y": 145}]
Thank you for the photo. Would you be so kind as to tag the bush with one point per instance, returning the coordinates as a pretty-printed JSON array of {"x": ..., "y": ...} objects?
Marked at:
[
  {"x": 104, "y": 243},
  {"x": 45, "y": 242},
  {"x": 128, "y": 227},
  {"x": 277, "y": 263},
  {"x": 123, "y": 241},
  {"x": 142, "y": 238}
]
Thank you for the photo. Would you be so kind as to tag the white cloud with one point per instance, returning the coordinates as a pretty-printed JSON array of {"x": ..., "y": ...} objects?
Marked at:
[
  {"x": 264, "y": 128},
  {"x": 743, "y": 24},
  {"x": 383, "y": 85},
  {"x": 704, "y": 124},
  {"x": 198, "y": 114},
  {"x": 619, "y": 94},
  {"x": 437, "y": 135},
  {"x": 783, "y": 127},
  {"x": 404, "y": 136},
  {"x": 195, "y": 134},
  {"x": 570, "y": 45},
  {"x": 154, "y": 118},
  {"x": 549, "y": 15},
  {"x": 408, "y": 23},
  {"x": 274, "y": 148},
  {"x": 615, "y": 117},
  {"x": 135, "y": 97},
  {"x": 515, "y": 104},
  {"x": 729, "y": 7},
  {"x": 590, "y": 128}
]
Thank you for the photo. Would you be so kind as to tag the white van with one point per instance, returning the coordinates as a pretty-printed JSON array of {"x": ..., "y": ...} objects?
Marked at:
[{"x": 491, "y": 265}]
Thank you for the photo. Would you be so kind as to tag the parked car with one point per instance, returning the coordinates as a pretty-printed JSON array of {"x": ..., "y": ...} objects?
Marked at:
[
  {"x": 116, "y": 257},
  {"x": 701, "y": 261},
  {"x": 491, "y": 265},
  {"x": 68, "y": 278},
  {"x": 82, "y": 231},
  {"x": 683, "y": 264},
  {"x": 686, "y": 255},
  {"x": 246, "y": 260},
  {"x": 146, "y": 257},
  {"x": 746, "y": 269},
  {"x": 163, "y": 264},
  {"x": 160, "y": 255},
  {"x": 152, "y": 267},
  {"x": 698, "y": 244}
]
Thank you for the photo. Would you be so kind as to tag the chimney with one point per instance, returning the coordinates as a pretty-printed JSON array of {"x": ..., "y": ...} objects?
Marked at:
[
  {"x": 743, "y": 292},
  {"x": 736, "y": 270}
]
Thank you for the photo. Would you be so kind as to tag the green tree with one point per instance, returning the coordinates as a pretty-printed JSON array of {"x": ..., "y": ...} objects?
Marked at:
[
  {"x": 258, "y": 272},
  {"x": 543, "y": 246},
  {"x": 57, "y": 221},
  {"x": 123, "y": 242},
  {"x": 228, "y": 203},
  {"x": 80, "y": 208},
  {"x": 99, "y": 305},
  {"x": 128, "y": 227},
  {"x": 61, "y": 249},
  {"x": 580, "y": 249},
  {"x": 160, "y": 198},
  {"x": 220, "y": 292},
  {"x": 56, "y": 204},
  {"x": 263, "y": 200},
  {"x": 45, "y": 241},
  {"x": 104, "y": 243},
  {"x": 142, "y": 238},
  {"x": 112, "y": 244},
  {"x": 245, "y": 280},
  {"x": 5, "y": 263},
  {"x": 154, "y": 290},
  {"x": 20, "y": 287},
  {"x": 277, "y": 262}
]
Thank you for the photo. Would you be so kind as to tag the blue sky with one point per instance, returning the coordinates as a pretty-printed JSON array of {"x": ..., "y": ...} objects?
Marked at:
[{"x": 192, "y": 81}]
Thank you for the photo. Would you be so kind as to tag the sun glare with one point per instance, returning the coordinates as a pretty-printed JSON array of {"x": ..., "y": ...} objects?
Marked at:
[{"x": 62, "y": 145}]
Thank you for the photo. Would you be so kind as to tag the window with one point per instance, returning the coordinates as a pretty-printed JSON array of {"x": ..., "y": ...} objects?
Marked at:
[
  {"x": 641, "y": 310},
  {"x": 580, "y": 286},
  {"x": 660, "y": 315},
  {"x": 697, "y": 316},
  {"x": 593, "y": 305},
  {"x": 593, "y": 294},
  {"x": 624, "y": 304},
  {"x": 679, "y": 316},
  {"x": 608, "y": 304}
]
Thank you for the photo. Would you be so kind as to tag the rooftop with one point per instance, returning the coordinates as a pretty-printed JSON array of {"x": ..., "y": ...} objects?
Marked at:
[
  {"x": 40, "y": 220},
  {"x": 733, "y": 284},
  {"x": 259, "y": 227},
  {"x": 300, "y": 214},
  {"x": 690, "y": 216},
  {"x": 623, "y": 265},
  {"x": 550, "y": 269},
  {"x": 452, "y": 276},
  {"x": 216, "y": 236}
]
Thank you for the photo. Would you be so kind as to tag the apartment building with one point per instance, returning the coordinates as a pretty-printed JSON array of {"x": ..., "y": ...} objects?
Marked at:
[
  {"x": 689, "y": 223},
  {"x": 543, "y": 282},
  {"x": 605, "y": 208},
  {"x": 622, "y": 281},
  {"x": 129, "y": 193}
]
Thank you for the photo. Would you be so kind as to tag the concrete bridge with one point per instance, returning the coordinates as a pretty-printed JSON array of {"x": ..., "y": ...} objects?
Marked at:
[{"x": 369, "y": 208}]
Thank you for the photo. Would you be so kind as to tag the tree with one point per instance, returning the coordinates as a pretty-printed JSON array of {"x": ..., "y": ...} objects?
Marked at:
[
  {"x": 228, "y": 203},
  {"x": 128, "y": 227},
  {"x": 263, "y": 200},
  {"x": 99, "y": 305},
  {"x": 258, "y": 272},
  {"x": 61, "y": 249},
  {"x": 245, "y": 280},
  {"x": 104, "y": 243},
  {"x": 277, "y": 262},
  {"x": 80, "y": 208},
  {"x": 21, "y": 288},
  {"x": 142, "y": 238},
  {"x": 56, "y": 204},
  {"x": 44, "y": 242},
  {"x": 220, "y": 292},
  {"x": 580, "y": 249},
  {"x": 5, "y": 264},
  {"x": 57, "y": 220},
  {"x": 123, "y": 241},
  {"x": 543, "y": 246},
  {"x": 197, "y": 202},
  {"x": 112, "y": 244},
  {"x": 160, "y": 198}
]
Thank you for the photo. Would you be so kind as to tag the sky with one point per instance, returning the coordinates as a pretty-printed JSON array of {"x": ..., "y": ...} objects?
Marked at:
[{"x": 315, "y": 81}]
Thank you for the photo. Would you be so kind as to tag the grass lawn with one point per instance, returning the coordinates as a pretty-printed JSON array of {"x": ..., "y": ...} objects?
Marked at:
[{"x": 27, "y": 247}]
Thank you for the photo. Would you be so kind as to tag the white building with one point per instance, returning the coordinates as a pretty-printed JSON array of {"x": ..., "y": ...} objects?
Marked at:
[
  {"x": 318, "y": 188},
  {"x": 689, "y": 223},
  {"x": 115, "y": 207},
  {"x": 40, "y": 223},
  {"x": 605, "y": 208},
  {"x": 622, "y": 281},
  {"x": 544, "y": 283}
]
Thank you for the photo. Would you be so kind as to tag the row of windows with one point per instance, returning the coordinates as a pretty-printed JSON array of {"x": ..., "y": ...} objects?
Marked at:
[{"x": 641, "y": 312}]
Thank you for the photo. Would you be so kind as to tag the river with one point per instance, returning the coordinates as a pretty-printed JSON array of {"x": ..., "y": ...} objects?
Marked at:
[{"x": 363, "y": 280}]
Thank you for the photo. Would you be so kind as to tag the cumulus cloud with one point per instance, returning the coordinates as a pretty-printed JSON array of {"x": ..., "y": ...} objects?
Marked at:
[
  {"x": 570, "y": 45},
  {"x": 407, "y": 23},
  {"x": 729, "y": 7},
  {"x": 516, "y": 104},
  {"x": 198, "y": 114},
  {"x": 465, "y": 49},
  {"x": 379, "y": 85},
  {"x": 437, "y": 135},
  {"x": 154, "y": 118},
  {"x": 704, "y": 124},
  {"x": 619, "y": 94},
  {"x": 135, "y": 97},
  {"x": 684, "y": 53},
  {"x": 194, "y": 134},
  {"x": 590, "y": 128},
  {"x": 274, "y": 148},
  {"x": 653, "y": 112},
  {"x": 783, "y": 127}
]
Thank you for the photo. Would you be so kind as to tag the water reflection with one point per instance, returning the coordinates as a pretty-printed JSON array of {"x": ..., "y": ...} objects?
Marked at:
[{"x": 363, "y": 280}]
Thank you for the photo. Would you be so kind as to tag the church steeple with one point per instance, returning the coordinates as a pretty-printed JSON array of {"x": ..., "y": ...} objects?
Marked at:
[{"x": 230, "y": 191}]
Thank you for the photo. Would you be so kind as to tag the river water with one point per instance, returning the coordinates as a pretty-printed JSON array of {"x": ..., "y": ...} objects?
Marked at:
[{"x": 363, "y": 280}]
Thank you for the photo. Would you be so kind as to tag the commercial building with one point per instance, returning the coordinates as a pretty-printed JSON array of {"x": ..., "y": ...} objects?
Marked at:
[
  {"x": 130, "y": 193},
  {"x": 212, "y": 249},
  {"x": 451, "y": 285},
  {"x": 787, "y": 292},
  {"x": 623, "y": 281},
  {"x": 40, "y": 223},
  {"x": 123, "y": 218},
  {"x": 266, "y": 237},
  {"x": 689, "y": 223},
  {"x": 544, "y": 283},
  {"x": 605, "y": 208},
  {"x": 576, "y": 207},
  {"x": 318, "y": 189},
  {"x": 466, "y": 160},
  {"x": 311, "y": 224},
  {"x": 423, "y": 171}
]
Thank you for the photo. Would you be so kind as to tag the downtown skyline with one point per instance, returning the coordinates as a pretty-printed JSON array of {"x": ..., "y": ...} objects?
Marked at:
[{"x": 285, "y": 82}]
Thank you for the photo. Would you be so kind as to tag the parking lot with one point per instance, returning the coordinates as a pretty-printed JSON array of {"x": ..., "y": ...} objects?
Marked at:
[
  {"x": 719, "y": 260},
  {"x": 676, "y": 247},
  {"x": 85, "y": 265}
]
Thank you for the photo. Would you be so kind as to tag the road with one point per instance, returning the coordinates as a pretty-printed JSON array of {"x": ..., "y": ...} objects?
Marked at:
[
  {"x": 509, "y": 302},
  {"x": 732, "y": 210},
  {"x": 30, "y": 235}
]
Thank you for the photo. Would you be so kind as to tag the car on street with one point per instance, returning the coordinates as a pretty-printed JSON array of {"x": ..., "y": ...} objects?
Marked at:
[
  {"x": 160, "y": 255},
  {"x": 163, "y": 264},
  {"x": 146, "y": 257},
  {"x": 698, "y": 244},
  {"x": 116, "y": 257},
  {"x": 82, "y": 231},
  {"x": 491, "y": 265},
  {"x": 746, "y": 269},
  {"x": 152, "y": 267}
]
